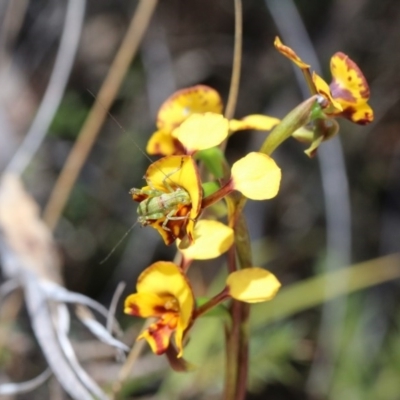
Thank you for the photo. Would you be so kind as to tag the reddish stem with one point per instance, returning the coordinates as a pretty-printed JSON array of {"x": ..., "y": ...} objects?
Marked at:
[
  {"x": 218, "y": 195},
  {"x": 219, "y": 298},
  {"x": 243, "y": 354},
  {"x": 232, "y": 350}
]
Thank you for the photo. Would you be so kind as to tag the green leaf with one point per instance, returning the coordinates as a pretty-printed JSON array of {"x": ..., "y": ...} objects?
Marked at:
[
  {"x": 297, "y": 118},
  {"x": 209, "y": 188},
  {"x": 214, "y": 160},
  {"x": 312, "y": 292}
]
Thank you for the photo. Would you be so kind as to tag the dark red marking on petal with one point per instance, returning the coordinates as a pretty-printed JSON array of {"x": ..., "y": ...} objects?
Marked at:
[
  {"x": 134, "y": 310},
  {"x": 348, "y": 113},
  {"x": 175, "y": 229},
  {"x": 339, "y": 92},
  {"x": 157, "y": 149},
  {"x": 167, "y": 236},
  {"x": 159, "y": 310},
  {"x": 158, "y": 332},
  {"x": 352, "y": 66},
  {"x": 179, "y": 149}
]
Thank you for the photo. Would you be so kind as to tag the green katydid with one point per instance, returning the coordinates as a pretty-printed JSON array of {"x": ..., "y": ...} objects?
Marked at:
[{"x": 159, "y": 204}]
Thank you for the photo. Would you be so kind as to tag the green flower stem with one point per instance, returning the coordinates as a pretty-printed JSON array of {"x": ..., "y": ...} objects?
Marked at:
[
  {"x": 238, "y": 336},
  {"x": 231, "y": 259},
  {"x": 243, "y": 354},
  {"x": 233, "y": 341},
  {"x": 297, "y": 118},
  {"x": 242, "y": 241},
  {"x": 308, "y": 77},
  {"x": 237, "y": 61},
  {"x": 237, "y": 358},
  {"x": 241, "y": 312}
]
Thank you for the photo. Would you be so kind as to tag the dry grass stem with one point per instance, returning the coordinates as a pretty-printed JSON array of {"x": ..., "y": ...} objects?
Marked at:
[{"x": 98, "y": 113}]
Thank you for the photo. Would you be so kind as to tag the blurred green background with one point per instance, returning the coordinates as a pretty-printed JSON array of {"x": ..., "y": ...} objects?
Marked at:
[{"x": 338, "y": 209}]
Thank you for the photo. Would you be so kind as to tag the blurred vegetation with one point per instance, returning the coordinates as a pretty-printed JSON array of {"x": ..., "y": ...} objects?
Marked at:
[{"x": 188, "y": 44}]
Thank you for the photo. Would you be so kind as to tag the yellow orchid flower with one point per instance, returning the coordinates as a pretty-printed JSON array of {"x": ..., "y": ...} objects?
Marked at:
[
  {"x": 350, "y": 88},
  {"x": 347, "y": 95},
  {"x": 171, "y": 202},
  {"x": 197, "y": 99},
  {"x": 177, "y": 108},
  {"x": 163, "y": 292},
  {"x": 208, "y": 128},
  {"x": 212, "y": 238}
]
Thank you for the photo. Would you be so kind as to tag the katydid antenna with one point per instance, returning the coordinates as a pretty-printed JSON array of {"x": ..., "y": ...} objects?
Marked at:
[
  {"x": 118, "y": 243},
  {"x": 130, "y": 137}
]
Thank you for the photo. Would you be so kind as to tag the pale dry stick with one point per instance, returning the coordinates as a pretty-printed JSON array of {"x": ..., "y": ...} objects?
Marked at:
[
  {"x": 113, "y": 306},
  {"x": 134, "y": 354},
  {"x": 55, "y": 90},
  {"x": 237, "y": 61},
  {"x": 98, "y": 113}
]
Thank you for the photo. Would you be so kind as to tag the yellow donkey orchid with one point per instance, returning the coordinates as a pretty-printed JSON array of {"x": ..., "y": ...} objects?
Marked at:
[{"x": 163, "y": 292}]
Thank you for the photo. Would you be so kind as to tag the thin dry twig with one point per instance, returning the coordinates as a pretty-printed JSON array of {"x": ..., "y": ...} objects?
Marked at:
[
  {"x": 98, "y": 113},
  {"x": 113, "y": 306},
  {"x": 237, "y": 62},
  {"x": 134, "y": 354}
]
